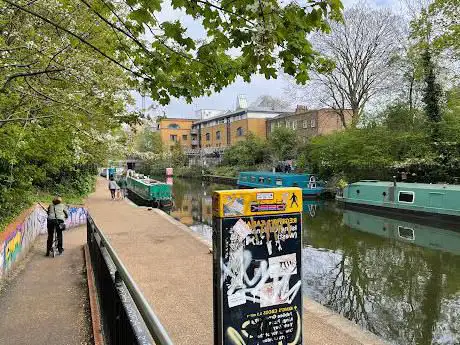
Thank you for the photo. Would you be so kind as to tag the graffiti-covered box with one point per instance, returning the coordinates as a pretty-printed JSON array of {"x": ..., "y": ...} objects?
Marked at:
[{"x": 257, "y": 266}]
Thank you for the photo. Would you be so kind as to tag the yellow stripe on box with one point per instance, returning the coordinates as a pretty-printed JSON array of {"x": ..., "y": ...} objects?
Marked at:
[{"x": 256, "y": 202}]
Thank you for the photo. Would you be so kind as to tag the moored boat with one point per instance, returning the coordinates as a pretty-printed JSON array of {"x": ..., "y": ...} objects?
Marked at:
[
  {"x": 261, "y": 179},
  {"x": 417, "y": 199},
  {"x": 149, "y": 191}
]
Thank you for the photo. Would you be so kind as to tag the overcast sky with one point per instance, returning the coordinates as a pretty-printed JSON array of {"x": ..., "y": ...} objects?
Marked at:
[{"x": 226, "y": 99}]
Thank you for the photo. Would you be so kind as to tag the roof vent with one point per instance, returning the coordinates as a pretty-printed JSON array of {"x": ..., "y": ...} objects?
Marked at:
[{"x": 241, "y": 102}]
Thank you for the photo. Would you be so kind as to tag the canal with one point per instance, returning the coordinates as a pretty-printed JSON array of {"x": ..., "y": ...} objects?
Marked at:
[{"x": 397, "y": 279}]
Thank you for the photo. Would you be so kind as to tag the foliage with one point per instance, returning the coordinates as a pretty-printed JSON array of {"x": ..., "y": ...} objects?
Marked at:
[
  {"x": 433, "y": 93},
  {"x": 363, "y": 153},
  {"x": 59, "y": 105},
  {"x": 149, "y": 141},
  {"x": 283, "y": 143},
  {"x": 248, "y": 152},
  {"x": 242, "y": 38}
]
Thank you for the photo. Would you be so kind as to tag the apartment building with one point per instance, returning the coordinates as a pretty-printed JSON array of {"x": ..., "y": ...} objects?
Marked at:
[
  {"x": 176, "y": 130},
  {"x": 227, "y": 129},
  {"x": 309, "y": 123}
]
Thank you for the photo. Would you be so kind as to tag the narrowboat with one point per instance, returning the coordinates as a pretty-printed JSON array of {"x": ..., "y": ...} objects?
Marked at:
[
  {"x": 149, "y": 192},
  {"x": 260, "y": 179},
  {"x": 420, "y": 200},
  {"x": 408, "y": 232}
]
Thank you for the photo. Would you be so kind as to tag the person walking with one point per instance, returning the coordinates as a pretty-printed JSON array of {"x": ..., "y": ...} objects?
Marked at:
[
  {"x": 57, "y": 214},
  {"x": 123, "y": 184},
  {"x": 112, "y": 187}
]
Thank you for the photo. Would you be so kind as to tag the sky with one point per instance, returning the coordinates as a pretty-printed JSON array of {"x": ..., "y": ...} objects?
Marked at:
[{"x": 226, "y": 99}]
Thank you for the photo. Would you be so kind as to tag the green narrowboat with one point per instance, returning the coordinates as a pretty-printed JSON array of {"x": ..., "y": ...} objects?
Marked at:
[
  {"x": 148, "y": 191},
  {"x": 418, "y": 234},
  {"x": 416, "y": 199}
]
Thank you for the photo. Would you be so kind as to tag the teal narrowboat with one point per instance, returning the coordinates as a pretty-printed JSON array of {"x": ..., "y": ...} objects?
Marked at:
[
  {"x": 260, "y": 179},
  {"x": 418, "y": 234},
  {"x": 148, "y": 191},
  {"x": 417, "y": 199}
]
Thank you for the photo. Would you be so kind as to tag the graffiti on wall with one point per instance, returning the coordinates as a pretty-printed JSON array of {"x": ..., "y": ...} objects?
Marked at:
[{"x": 20, "y": 237}]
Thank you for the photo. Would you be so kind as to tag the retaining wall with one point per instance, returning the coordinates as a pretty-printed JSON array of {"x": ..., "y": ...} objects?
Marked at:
[{"x": 19, "y": 235}]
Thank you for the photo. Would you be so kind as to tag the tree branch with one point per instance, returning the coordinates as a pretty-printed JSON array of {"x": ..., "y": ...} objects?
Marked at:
[{"x": 81, "y": 39}]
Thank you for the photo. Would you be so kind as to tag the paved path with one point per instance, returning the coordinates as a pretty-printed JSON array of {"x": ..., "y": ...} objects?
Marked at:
[
  {"x": 174, "y": 271},
  {"x": 45, "y": 301}
]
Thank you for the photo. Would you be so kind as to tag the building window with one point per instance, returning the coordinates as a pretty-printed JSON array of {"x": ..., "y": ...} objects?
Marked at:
[
  {"x": 184, "y": 137},
  {"x": 288, "y": 124},
  {"x": 313, "y": 123},
  {"x": 208, "y": 136},
  {"x": 218, "y": 135},
  {"x": 279, "y": 124},
  {"x": 294, "y": 124},
  {"x": 173, "y": 126},
  {"x": 239, "y": 131},
  {"x": 272, "y": 126},
  {"x": 407, "y": 197},
  {"x": 173, "y": 137},
  {"x": 305, "y": 124}
]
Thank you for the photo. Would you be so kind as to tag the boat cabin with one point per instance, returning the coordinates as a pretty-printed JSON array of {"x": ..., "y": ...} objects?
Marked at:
[{"x": 261, "y": 179}]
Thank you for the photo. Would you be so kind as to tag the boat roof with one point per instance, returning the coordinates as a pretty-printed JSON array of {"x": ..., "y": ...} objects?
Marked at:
[
  {"x": 274, "y": 174},
  {"x": 402, "y": 185}
]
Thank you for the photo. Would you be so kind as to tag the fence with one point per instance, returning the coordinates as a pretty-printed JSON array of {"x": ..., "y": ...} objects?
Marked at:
[{"x": 127, "y": 317}]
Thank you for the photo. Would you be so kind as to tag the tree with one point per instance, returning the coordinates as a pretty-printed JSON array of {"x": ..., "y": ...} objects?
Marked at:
[
  {"x": 360, "y": 66},
  {"x": 283, "y": 143},
  {"x": 166, "y": 61},
  {"x": 274, "y": 103},
  {"x": 149, "y": 141},
  {"x": 59, "y": 105}
]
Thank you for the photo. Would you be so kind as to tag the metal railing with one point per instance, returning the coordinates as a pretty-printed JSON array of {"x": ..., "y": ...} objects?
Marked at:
[{"x": 127, "y": 316}]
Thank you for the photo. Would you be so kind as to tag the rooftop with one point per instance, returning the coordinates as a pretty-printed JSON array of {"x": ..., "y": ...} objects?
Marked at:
[
  {"x": 409, "y": 186},
  {"x": 242, "y": 111}
]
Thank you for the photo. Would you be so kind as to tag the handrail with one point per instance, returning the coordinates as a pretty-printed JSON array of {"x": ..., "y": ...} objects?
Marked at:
[{"x": 152, "y": 322}]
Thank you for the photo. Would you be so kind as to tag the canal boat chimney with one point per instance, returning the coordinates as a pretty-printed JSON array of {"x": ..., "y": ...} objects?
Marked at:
[{"x": 394, "y": 181}]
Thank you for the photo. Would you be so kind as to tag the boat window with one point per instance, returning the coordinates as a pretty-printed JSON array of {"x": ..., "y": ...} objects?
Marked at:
[
  {"x": 406, "y": 197},
  {"x": 253, "y": 179},
  {"x": 279, "y": 182},
  {"x": 384, "y": 193},
  {"x": 269, "y": 180},
  {"x": 357, "y": 191},
  {"x": 406, "y": 233},
  {"x": 261, "y": 180}
]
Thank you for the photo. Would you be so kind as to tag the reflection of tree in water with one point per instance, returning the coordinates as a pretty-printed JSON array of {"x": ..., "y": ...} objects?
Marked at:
[{"x": 399, "y": 291}]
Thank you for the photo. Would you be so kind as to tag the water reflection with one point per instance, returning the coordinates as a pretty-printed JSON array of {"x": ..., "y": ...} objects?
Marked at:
[{"x": 397, "y": 279}]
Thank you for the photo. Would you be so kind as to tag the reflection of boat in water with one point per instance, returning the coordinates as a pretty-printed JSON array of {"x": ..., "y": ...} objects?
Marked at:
[
  {"x": 420, "y": 235},
  {"x": 310, "y": 207}
]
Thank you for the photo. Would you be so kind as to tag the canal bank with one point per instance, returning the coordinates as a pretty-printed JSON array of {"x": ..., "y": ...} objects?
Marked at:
[{"x": 173, "y": 268}]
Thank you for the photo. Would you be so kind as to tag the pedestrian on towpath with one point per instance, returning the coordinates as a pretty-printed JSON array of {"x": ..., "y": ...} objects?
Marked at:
[
  {"x": 122, "y": 183},
  {"x": 57, "y": 214},
  {"x": 113, "y": 187}
]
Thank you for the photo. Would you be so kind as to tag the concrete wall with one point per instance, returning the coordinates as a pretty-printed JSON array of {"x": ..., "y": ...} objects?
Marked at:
[{"x": 19, "y": 235}]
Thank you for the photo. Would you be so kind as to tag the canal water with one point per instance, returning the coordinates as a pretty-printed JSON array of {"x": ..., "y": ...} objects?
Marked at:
[{"x": 397, "y": 279}]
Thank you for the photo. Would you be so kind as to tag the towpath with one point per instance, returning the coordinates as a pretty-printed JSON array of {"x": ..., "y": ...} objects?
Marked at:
[
  {"x": 45, "y": 300},
  {"x": 173, "y": 269}
]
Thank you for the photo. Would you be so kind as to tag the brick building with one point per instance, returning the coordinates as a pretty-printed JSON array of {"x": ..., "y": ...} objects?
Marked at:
[
  {"x": 176, "y": 130},
  {"x": 310, "y": 123}
]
